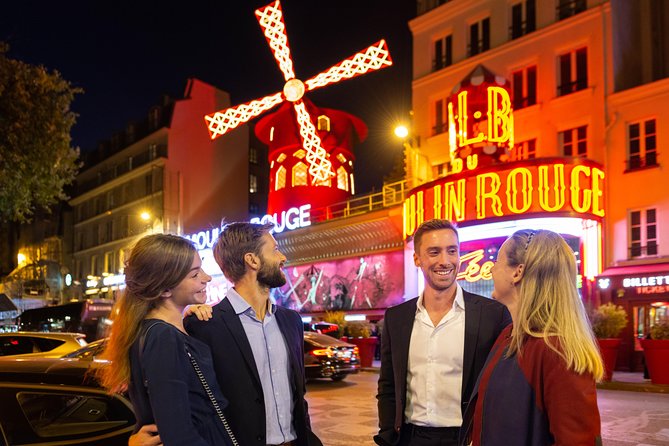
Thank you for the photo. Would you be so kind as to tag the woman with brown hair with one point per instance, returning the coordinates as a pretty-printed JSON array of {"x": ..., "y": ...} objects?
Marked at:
[{"x": 169, "y": 375}]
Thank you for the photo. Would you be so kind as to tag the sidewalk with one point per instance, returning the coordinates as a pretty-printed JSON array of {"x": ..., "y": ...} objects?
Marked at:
[
  {"x": 634, "y": 382},
  {"x": 630, "y": 381}
]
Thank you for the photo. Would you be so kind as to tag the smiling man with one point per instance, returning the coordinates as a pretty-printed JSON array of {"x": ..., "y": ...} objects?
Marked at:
[{"x": 433, "y": 347}]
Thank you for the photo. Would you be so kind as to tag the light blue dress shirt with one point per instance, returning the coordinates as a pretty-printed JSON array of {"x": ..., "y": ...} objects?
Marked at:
[{"x": 271, "y": 357}]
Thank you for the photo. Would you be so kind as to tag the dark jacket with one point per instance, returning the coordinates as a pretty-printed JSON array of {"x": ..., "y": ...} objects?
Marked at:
[
  {"x": 238, "y": 376},
  {"x": 484, "y": 320}
]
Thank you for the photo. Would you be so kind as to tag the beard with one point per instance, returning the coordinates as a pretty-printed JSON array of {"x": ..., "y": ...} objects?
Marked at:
[{"x": 271, "y": 276}]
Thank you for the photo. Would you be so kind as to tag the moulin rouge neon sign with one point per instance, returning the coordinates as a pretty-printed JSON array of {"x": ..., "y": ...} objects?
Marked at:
[{"x": 555, "y": 186}]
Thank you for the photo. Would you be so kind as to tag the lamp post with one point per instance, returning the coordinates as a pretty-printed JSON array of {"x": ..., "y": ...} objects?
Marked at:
[{"x": 415, "y": 163}]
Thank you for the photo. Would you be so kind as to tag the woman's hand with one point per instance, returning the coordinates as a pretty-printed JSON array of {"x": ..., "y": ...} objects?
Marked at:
[
  {"x": 201, "y": 311},
  {"x": 146, "y": 436}
]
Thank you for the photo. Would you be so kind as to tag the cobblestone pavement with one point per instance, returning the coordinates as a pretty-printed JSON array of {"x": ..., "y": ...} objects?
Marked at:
[{"x": 344, "y": 413}]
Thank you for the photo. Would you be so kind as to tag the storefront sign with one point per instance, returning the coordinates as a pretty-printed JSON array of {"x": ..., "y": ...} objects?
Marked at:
[
  {"x": 648, "y": 285},
  {"x": 548, "y": 186},
  {"x": 291, "y": 219}
]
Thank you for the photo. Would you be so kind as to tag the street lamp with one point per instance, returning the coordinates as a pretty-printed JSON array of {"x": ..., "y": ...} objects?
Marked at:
[{"x": 415, "y": 163}]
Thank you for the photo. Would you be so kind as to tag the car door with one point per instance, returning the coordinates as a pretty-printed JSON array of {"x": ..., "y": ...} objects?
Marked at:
[{"x": 34, "y": 414}]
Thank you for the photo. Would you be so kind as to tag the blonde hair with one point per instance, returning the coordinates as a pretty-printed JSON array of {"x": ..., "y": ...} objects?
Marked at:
[
  {"x": 549, "y": 304},
  {"x": 157, "y": 263}
]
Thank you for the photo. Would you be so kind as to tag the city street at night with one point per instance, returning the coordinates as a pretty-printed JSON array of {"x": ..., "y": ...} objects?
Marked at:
[{"x": 344, "y": 413}]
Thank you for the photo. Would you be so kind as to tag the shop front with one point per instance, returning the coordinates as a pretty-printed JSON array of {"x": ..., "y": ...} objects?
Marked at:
[{"x": 643, "y": 291}]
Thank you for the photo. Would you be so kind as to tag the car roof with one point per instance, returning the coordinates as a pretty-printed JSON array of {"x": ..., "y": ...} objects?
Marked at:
[
  {"x": 325, "y": 340},
  {"x": 47, "y": 370},
  {"x": 45, "y": 334}
]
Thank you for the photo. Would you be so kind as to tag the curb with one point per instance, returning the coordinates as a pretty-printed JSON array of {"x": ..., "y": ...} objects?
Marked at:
[{"x": 634, "y": 387}]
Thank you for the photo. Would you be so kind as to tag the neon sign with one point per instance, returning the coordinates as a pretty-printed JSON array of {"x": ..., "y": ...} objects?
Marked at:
[
  {"x": 473, "y": 269},
  {"x": 551, "y": 187},
  {"x": 291, "y": 219}
]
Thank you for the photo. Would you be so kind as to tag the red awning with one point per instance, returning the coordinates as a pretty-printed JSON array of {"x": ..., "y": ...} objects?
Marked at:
[{"x": 648, "y": 268}]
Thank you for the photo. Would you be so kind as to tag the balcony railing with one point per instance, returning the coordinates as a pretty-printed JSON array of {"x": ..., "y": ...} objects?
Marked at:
[
  {"x": 635, "y": 162},
  {"x": 636, "y": 250},
  {"x": 391, "y": 195},
  {"x": 125, "y": 166}
]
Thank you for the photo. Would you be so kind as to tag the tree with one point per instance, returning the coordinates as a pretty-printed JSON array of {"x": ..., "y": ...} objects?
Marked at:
[{"x": 36, "y": 159}]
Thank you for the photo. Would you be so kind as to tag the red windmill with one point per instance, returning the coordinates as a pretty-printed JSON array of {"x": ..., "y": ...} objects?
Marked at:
[{"x": 270, "y": 19}]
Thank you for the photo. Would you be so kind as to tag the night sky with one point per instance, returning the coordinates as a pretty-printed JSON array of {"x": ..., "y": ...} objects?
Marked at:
[{"x": 125, "y": 56}]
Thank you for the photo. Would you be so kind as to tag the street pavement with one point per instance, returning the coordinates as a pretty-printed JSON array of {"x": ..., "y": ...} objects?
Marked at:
[{"x": 344, "y": 413}]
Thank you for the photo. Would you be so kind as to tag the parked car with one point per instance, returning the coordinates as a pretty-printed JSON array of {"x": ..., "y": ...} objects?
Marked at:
[
  {"x": 328, "y": 357},
  {"x": 56, "y": 402},
  {"x": 324, "y": 356},
  {"x": 27, "y": 344}
]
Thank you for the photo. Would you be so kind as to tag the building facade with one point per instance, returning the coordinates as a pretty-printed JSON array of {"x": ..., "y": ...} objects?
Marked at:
[
  {"x": 588, "y": 80},
  {"x": 163, "y": 174}
]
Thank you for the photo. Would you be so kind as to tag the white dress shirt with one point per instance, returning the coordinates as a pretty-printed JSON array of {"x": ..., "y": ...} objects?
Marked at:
[{"x": 434, "y": 371}]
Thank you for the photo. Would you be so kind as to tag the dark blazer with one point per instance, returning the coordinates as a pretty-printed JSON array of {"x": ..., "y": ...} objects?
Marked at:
[
  {"x": 238, "y": 377},
  {"x": 484, "y": 320}
]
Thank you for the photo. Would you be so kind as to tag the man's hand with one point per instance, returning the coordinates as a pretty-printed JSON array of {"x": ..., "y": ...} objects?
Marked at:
[
  {"x": 202, "y": 312},
  {"x": 146, "y": 436}
]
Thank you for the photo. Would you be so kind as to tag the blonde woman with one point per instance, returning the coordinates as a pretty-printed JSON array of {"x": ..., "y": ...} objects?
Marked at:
[
  {"x": 164, "y": 369},
  {"x": 538, "y": 385}
]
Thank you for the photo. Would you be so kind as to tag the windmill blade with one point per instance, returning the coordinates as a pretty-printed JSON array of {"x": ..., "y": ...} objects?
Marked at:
[
  {"x": 270, "y": 19},
  {"x": 375, "y": 57},
  {"x": 320, "y": 166},
  {"x": 220, "y": 122}
]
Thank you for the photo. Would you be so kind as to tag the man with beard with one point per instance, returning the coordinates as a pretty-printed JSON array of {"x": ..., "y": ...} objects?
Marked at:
[
  {"x": 257, "y": 347},
  {"x": 433, "y": 347}
]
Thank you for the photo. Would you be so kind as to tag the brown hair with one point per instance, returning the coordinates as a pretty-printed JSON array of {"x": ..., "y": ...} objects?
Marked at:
[
  {"x": 157, "y": 263},
  {"x": 432, "y": 225},
  {"x": 236, "y": 240}
]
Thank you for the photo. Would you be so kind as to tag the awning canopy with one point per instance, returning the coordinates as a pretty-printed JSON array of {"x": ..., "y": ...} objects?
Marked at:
[
  {"x": 333, "y": 240},
  {"x": 633, "y": 270}
]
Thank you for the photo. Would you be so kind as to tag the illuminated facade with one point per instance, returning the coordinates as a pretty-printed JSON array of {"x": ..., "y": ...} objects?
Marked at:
[
  {"x": 588, "y": 94},
  {"x": 162, "y": 175}
]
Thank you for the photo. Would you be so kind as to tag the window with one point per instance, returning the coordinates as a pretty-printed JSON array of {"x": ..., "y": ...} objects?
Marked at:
[
  {"x": 57, "y": 414},
  {"x": 300, "y": 174},
  {"x": 109, "y": 266},
  {"x": 522, "y": 24},
  {"x": 280, "y": 181},
  {"x": 524, "y": 87},
  {"x": 568, "y": 8},
  {"x": 524, "y": 150},
  {"x": 94, "y": 265},
  {"x": 643, "y": 233},
  {"x": 443, "y": 53},
  {"x": 253, "y": 155},
  {"x": 301, "y": 153},
  {"x": 440, "y": 124},
  {"x": 154, "y": 118},
  {"x": 148, "y": 184},
  {"x": 573, "y": 74},
  {"x": 642, "y": 144},
  {"x": 323, "y": 123},
  {"x": 341, "y": 158},
  {"x": 479, "y": 37},
  {"x": 253, "y": 184},
  {"x": 574, "y": 142},
  {"x": 254, "y": 209},
  {"x": 281, "y": 158},
  {"x": 342, "y": 178}
]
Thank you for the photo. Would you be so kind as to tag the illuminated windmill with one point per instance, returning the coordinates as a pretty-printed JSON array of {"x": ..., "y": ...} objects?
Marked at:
[{"x": 270, "y": 19}]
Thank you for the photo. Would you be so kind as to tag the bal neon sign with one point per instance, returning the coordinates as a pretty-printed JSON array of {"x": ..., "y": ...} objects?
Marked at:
[
  {"x": 293, "y": 218},
  {"x": 549, "y": 187}
]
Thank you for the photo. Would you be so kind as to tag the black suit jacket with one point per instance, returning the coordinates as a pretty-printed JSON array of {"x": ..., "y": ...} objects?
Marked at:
[
  {"x": 238, "y": 377},
  {"x": 484, "y": 320}
]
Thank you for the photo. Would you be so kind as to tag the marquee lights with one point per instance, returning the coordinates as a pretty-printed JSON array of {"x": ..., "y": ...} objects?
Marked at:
[
  {"x": 271, "y": 21},
  {"x": 540, "y": 188}
]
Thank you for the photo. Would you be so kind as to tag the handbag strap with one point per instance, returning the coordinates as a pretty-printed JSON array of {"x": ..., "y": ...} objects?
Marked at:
[{"x": 212, "y": 398}]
